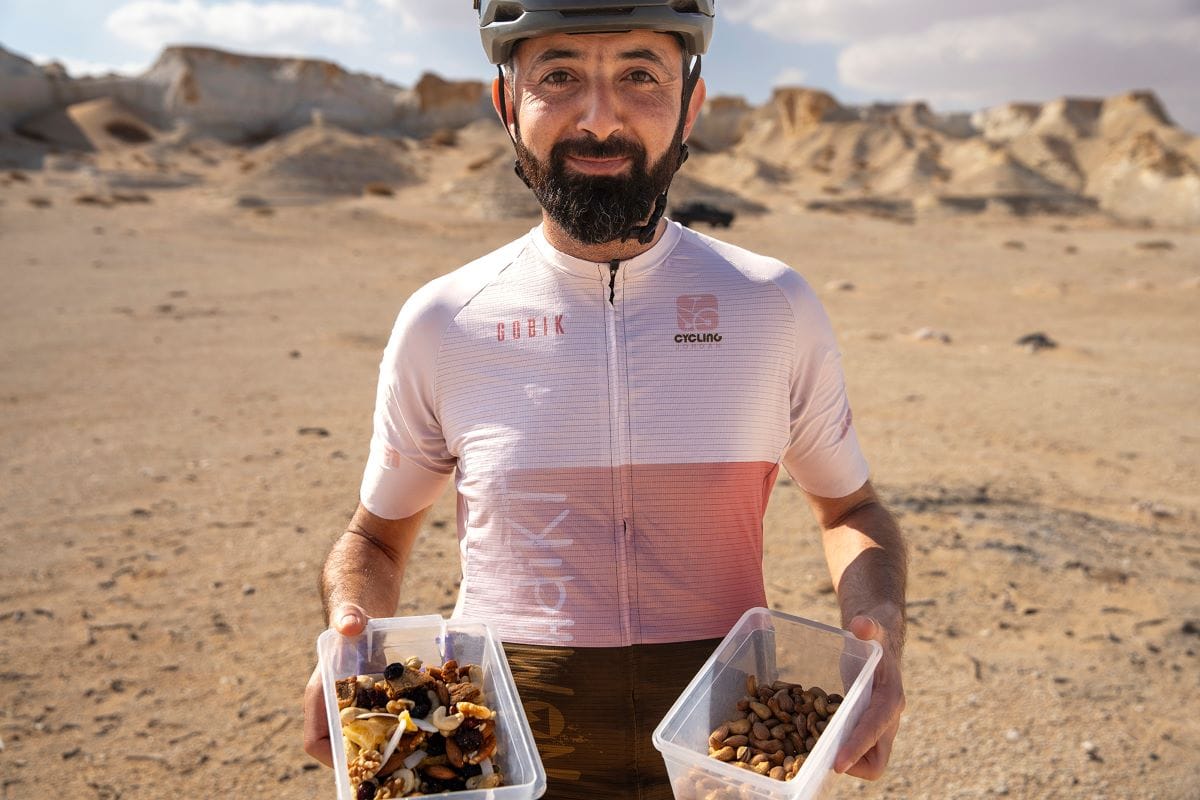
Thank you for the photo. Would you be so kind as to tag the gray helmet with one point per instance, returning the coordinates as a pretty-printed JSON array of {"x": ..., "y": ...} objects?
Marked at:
[{"x": 503, "y": 23}]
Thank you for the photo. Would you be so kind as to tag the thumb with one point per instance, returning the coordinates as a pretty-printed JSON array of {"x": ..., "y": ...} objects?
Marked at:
[
  {"x": 866, "y": 628},
  {"x": 348, "y": 619}
]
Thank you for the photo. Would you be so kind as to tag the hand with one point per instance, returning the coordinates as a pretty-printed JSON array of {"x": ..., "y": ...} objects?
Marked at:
[
  {"x": 349, "y": 620},
  {"x": 865, "y": 754}
]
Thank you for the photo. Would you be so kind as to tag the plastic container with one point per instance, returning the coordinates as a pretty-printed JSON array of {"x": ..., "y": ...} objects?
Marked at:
[
  {"x": 435, "y": 640},
  {"x": 771, "y": 646}
]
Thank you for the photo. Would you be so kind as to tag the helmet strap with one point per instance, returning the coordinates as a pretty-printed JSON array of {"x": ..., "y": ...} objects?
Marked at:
[{"x": 504, "y": 121}]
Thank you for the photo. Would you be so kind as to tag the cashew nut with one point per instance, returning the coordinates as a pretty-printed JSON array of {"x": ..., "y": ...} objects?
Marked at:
[{"x": 445, "y": 723}]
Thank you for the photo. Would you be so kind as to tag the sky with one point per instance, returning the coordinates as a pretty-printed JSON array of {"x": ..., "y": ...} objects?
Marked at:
[{"x": 955, "y": 54}]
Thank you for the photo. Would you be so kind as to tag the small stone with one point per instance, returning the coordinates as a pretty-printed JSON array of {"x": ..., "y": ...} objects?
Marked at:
[
  {"x": 839, "y": 286},
  {"x": 248, "y": 589},
  {"x": 1033, "y": 342},
  {"x": 1013, "y": 735},
  {"x": 1089, "y": 747},
  {"x": 313, "y": 431},
  {"x": 931, "y": 335}
]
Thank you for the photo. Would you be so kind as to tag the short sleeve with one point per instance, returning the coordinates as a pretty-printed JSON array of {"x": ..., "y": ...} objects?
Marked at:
[
  {"x": 823, "y": 454},
  {"x": 409, "y": 463}
]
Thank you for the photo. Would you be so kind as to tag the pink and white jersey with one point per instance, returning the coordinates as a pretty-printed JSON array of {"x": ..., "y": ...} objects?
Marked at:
[{"x": 613, "y": 457}]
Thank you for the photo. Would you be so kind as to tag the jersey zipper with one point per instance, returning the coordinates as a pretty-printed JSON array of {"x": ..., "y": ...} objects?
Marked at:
[{"x": 619, "y": 444}]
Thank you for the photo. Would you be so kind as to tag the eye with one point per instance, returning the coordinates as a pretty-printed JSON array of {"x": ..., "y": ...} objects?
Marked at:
[
  {"x": 642, "y": 76},
  {"x": 557, "y": 78}
]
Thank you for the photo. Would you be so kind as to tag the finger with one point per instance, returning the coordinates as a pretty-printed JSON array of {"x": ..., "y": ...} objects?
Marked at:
[
  {"x": 866, "y": 628},
  {"x": 349, "y": 619},
  {"x": 874, "y": 763},
  {"x": 316, "y": 724},
  {"x": 863, "y": 738},
  {"x": 881, "y": 716}
]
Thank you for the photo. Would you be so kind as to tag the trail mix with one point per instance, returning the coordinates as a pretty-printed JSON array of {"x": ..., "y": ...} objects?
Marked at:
[
  {"x": 416, "y": 730},
  {"x": 777, "y": 726}
]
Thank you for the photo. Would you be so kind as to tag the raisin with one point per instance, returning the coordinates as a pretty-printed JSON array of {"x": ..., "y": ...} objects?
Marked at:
[
  {"x": 471, "y": 770},
  {"x": 366, "y": 790},
  {"x": 421, "y": 705},
  {"x": 468, "y": 739},
  {"x": 434, "y": 786},
  {"x": 435, "y": 745},
  {"x": 393, "y": 671}
]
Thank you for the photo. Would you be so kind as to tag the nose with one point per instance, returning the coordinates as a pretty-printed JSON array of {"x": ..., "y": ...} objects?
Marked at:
[{"x": 600, "y": 117}]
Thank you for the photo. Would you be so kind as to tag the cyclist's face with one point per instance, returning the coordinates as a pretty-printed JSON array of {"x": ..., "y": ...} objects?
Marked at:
[
  {"x": 620, "y": 87},
  {"x": 597, "y": 116}
]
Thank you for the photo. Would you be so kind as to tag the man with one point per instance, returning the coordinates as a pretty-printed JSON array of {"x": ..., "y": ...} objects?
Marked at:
[{"x": 614, "y": 395}]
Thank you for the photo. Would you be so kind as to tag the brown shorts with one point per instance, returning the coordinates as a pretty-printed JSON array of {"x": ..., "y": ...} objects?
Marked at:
[{"x": 592, "y": 711}]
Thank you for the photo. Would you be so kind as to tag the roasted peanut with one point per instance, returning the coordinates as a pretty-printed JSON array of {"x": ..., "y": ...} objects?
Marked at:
[
  {"x": 776, "y": 726},
  {"x": 762, "y": 711}
]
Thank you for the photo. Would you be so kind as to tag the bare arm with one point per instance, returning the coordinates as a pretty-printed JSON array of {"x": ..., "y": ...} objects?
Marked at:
[
  {"x": 868, "y": 562},
  {"x": 366, "y": 564},
  {"x": 361, "y": 579}
]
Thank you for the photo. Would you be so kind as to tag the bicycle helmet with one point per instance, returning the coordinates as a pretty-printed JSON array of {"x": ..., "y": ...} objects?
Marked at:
[{"x": 504, "y": 23}]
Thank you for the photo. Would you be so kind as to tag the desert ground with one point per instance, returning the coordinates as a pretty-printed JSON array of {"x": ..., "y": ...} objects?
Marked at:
[{"x": 187, "y": 373}]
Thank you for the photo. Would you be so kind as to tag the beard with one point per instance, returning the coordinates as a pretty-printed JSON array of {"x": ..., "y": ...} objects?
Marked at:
[{"x": 596, "y": 209}]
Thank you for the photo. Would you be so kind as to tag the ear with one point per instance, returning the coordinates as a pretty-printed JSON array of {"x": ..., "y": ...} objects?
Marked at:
[
  {"x": 698, "y": 95},
  {"x": 497, "y": 88}
]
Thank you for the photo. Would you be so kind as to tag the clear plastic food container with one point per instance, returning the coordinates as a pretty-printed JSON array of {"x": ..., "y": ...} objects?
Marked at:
[
  {"x": 435, "y": 640},
  {"x": 771, "y": 646}
]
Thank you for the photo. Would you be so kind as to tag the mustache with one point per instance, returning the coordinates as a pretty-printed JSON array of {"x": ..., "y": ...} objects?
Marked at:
[{"x": 612, "y": 147}]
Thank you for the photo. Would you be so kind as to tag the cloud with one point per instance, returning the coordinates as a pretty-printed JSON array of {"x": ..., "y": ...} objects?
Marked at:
[
  {"x": 274, "y": 26},
  {"x": 423, "y": 15},
  {"x": 988, "y": 51}
]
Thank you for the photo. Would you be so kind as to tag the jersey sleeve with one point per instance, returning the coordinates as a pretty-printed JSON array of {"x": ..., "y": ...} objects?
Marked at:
[
  {"x": 409, "y": 461},
  {"x": 822, "y": 454}
]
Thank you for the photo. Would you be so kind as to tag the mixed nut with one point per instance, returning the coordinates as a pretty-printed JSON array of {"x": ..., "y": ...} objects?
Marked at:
[
  {"x": 417, "y": 729},
  {"x": 776, "y": 727}
]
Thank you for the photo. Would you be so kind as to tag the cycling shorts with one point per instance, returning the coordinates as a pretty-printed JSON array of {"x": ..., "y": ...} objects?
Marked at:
[{"x": 592, "y": 712}]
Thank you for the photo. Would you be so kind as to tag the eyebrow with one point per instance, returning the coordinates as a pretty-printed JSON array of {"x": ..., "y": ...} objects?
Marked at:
[
  {"x": 563, "y": 54},
  {"x": 642, "y": 54}
]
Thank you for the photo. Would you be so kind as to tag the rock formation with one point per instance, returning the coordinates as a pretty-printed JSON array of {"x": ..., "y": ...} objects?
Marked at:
[{"x": 329, "y": 132}]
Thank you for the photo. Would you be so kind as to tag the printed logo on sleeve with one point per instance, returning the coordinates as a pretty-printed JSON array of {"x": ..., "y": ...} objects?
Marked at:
[{"x": 698, "y": 319}]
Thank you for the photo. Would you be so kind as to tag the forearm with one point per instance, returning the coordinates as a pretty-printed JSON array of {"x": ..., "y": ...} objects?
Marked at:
[
  {"x": 366, "y": 565},
  {"x": 868, "y": 562}
]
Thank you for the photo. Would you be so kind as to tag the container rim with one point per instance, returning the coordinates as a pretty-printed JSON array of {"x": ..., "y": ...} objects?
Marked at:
[
  {"x": 754, "y": 779},
  {"x": 521, "y": 739}
]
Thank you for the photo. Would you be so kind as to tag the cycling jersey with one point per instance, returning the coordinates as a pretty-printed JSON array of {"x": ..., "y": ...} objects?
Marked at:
[{"x": 614, "y": 431}]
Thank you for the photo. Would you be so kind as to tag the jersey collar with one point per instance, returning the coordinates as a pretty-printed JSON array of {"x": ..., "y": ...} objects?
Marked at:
[{"x": 648, "y": 260}]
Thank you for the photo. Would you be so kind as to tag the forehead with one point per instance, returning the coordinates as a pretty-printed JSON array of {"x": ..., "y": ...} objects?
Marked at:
[{"x": 599, "y": 47}]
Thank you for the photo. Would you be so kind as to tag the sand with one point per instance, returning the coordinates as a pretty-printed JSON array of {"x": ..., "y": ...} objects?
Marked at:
[{"x": 186, "y": 385}]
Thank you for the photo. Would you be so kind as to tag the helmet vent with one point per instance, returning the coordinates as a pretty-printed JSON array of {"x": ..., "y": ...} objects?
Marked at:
[
  {"x": 509, "y": 12},
  {"x": 590, "y": 12}
]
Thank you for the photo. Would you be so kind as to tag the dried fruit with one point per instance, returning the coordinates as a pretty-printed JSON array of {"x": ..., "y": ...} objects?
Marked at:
[
  {"x": 395, "y": 730},
  {"x": 468, "y": 739}
]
